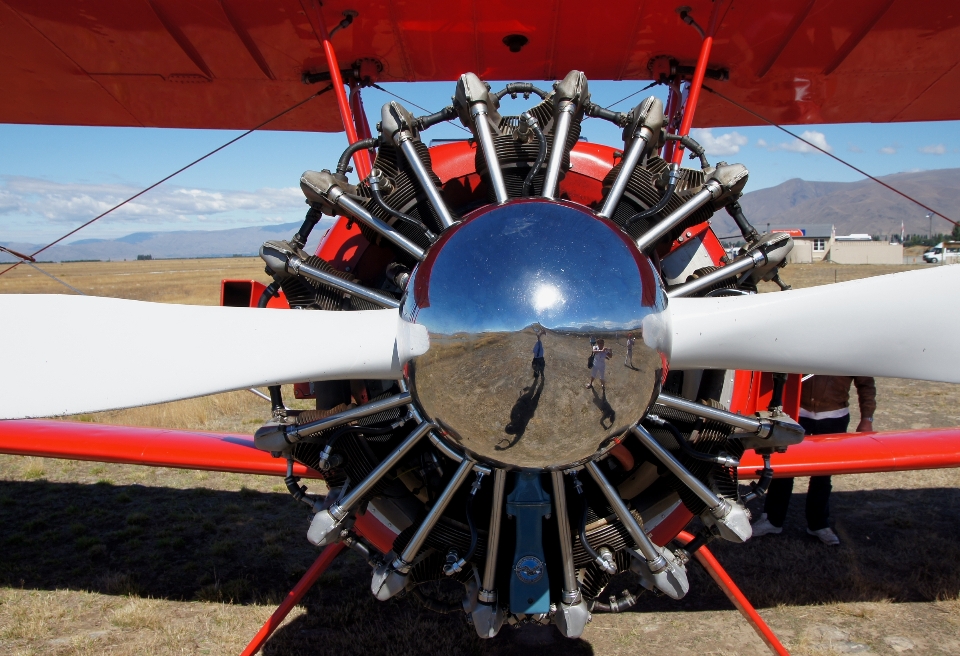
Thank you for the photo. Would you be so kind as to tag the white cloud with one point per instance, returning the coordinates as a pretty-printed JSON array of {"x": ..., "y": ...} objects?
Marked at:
[
  {"x": 724, "y": 144},
  {"x": 932, "y": 149},
  {"x": 762, "y": 143},
  {"x": 888, "y": 150},
  {"x": 854, "y": 148},
  {"x": 71, "y": 202},
  {"x": 818, "y": 139}
]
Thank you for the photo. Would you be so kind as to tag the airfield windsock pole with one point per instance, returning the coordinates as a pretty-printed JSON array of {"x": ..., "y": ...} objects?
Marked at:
[{"x": 697, "y": 83}]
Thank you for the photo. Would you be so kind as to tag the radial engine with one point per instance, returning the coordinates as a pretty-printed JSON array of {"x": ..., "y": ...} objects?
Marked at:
[{"x": 541, "y": 446}]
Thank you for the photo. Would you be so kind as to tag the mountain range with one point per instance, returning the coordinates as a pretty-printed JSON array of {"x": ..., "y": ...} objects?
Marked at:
[
  {"x": 852, "y": 207},
  {"x": 176, "y": 244}
]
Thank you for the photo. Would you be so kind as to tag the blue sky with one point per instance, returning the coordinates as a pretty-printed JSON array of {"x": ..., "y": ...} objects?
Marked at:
[{"x": 53, "y": 178}]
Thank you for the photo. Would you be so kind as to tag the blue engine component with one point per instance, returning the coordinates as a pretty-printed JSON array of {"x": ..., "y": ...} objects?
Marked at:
[{"x": 528, "y": 504}]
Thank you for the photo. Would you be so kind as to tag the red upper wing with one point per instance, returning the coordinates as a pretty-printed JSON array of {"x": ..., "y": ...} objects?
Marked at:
[{"x": 234, "y": 63}]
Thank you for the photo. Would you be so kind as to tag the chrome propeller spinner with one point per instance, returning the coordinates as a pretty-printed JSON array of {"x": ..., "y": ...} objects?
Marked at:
[{"x": 517, "y": 274}]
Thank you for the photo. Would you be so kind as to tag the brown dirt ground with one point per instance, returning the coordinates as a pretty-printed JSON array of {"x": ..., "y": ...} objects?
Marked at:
[{"x": 118, "y": 559}]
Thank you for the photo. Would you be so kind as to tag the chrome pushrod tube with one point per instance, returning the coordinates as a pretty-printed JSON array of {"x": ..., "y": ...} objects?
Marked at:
[
  {"x": 404, "y": 561},
  {"x": 298, "y": 266},
  {"x": 710, "y": 191},
  {"x": 703, "y": 493},
  {"x": 560, "y": 132},
  {"x": 707, "y": 412},
  {"x": 630, "y": 160},
  {"x": 479, "y": 114},
  {"x": 488, "y": 591},
  {"x": 342, "y": 508},
  {"x": 738, "y": 266},
  {"x": 295, "y": 433},
  {"x": 649, "y": 550},
  {"x": 433, "y": 194},
  {"x": 571, "y": 588},
  {"x": 360, "y": 213}
]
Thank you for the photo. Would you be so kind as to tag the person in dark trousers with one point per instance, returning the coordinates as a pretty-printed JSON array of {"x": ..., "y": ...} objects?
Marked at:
[
  {"x": 539, "y": 362},
  {"x": 824, "y": 409}
]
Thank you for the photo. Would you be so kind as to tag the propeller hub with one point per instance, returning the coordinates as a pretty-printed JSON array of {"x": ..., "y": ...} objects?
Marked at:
[{"x": 485, "y": 291}]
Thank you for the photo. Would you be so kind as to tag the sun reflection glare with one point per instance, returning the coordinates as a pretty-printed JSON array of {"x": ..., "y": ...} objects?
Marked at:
[{"x": 546, "y": 297}]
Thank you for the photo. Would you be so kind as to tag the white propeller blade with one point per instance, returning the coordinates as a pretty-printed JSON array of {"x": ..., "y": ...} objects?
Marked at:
[
  {"x": 903, "y": 325},
  {"x": 71, "y": 354}
]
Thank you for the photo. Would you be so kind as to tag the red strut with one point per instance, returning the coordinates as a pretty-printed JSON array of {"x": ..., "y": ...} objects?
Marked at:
[
  {"x": 697, "y": 83},
  {"x": 361, "y": 158},
  {"x": 293, "y": 597},
  {"x": 718, "y": 574}
]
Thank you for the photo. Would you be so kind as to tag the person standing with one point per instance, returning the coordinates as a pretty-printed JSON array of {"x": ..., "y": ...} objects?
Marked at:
[
  {"x": 538, "y": 360},
  {"x": 599, "y": 370},
  {"x": 824, "y": 409},
  {"x": 628, "y": 359}
]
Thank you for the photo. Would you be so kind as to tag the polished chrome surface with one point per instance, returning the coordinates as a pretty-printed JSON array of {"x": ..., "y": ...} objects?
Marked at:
[
  {"x": 404, "y": 561},
  {"x": 751, "y": 424},
  {"x": 704, "y": 493},
  {"x": 484, "y": 292},
  {"x": 646, "y": 546},
  {"x": 739, "y": 265},
  {"x": 321, "y": 276},
  {"x": 295, "y": 433},
  {"x": 488, "y": 592},
  {"x": 571, "y": 589},
  {"x": 479, "y": 114},
  {"x": 359, "y": 212},
  {"x": 630, "y": 161},
  {"x": 659, "y": 229},
  {"x": 342, "y": 508},
  {"x": 560, "y": 132},
  {"x": 426, "y": 183}
]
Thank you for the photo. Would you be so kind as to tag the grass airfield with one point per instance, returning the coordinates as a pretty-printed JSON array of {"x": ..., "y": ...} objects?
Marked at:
[{"x": 118, "y": 559}]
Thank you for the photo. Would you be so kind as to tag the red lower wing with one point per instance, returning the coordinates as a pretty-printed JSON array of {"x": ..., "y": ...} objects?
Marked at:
[
  {"x": 861, "y": 453},
  {"x": 850, "y": 453},
  {"x": 155, "y": 447}
]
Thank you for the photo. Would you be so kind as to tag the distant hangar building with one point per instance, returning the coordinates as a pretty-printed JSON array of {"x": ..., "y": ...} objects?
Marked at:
[{"x": 820, "y": 243}]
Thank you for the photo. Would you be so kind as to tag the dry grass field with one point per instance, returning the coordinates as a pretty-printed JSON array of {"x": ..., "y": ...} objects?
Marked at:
[{"x": 118, "y": 559}]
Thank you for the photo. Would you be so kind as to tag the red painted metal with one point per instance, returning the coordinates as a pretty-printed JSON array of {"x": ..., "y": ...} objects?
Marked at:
[
  {"x": 214, "y": 64},
  {"x": 740, "y": 601},
  {"x": 753, "y": 390},
  {"x": 154, "y": 447},
  {"x": 374, "y": 531},
  {"x": 319, "y": 566},
  {"x": 672, "y": 524},
  {"x": 359, "y": 115},
  {"x": 708, "y": 238},
  {"x": 862, "y": 453},
  {"x": 703, "y": 59},
  {"x": 246, "y": 293},
  {"x": 361, "y": 159},
  {"x": 343, "y": 245}
]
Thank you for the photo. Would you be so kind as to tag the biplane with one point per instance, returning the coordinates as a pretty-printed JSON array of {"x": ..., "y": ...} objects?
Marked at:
[{"x": 448, "y": 454}]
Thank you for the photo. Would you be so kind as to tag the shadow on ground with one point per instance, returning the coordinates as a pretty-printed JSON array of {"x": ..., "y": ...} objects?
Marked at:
[{"x": 243, "y": 547}]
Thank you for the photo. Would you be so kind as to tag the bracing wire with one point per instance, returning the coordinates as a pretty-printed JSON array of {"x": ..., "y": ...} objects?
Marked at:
[
  {"x": 413, "y": 104},
  {"x": 828, "y": 154},
  {"x": 649, "y": 86},
  {"x": 172, "y": 175}
]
